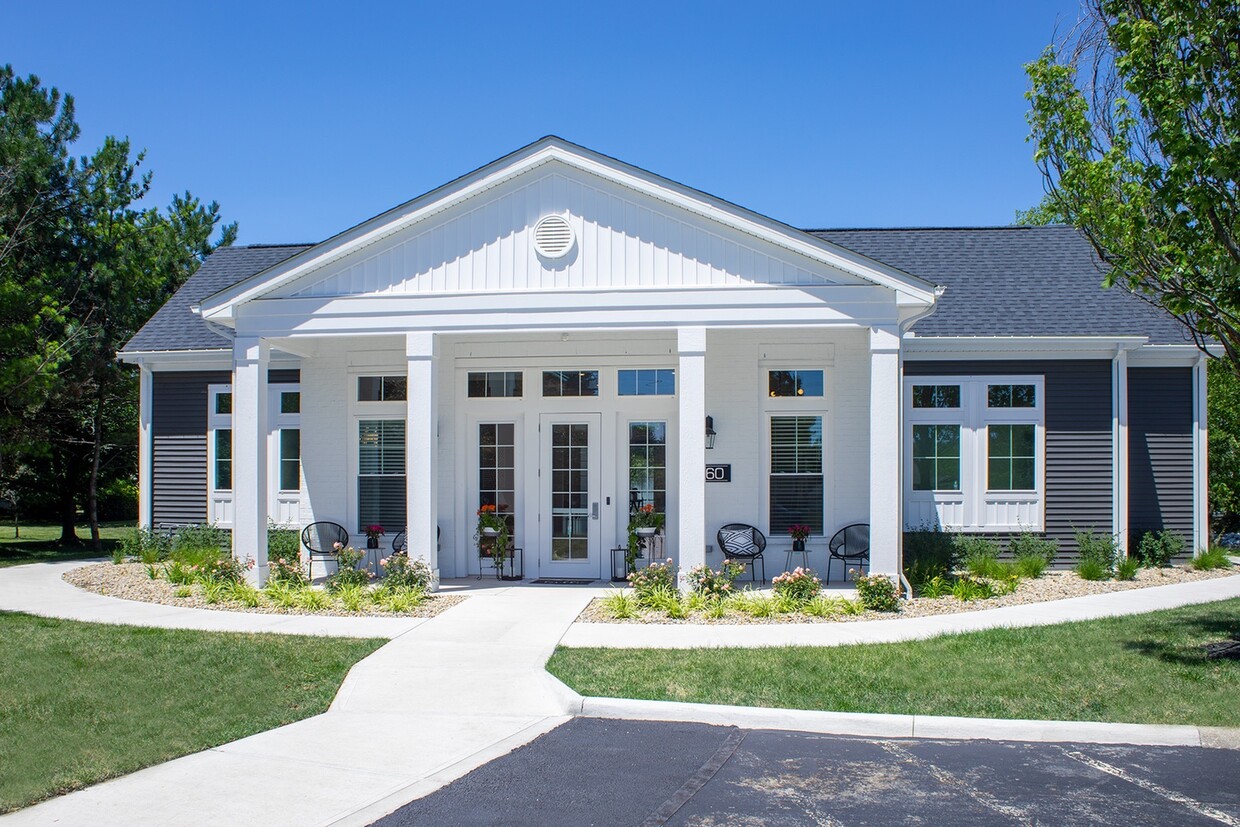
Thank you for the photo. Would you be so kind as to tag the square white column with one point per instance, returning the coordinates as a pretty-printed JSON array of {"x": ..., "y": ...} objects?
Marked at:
[
  {"x": 886, "y": 487},
  {"x": 249, "y": 426},
  {"x": 421, "y": 451},
  {"x": 1119, "y": 448},
  {"x": 691, "y": 493},
  {"x": 146, "y": 395},
  {"x": 1201, "y": 458}
]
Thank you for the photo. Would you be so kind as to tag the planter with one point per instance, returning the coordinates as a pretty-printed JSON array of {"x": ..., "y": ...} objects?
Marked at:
[
  {"x": 798, "y": 545},
  {"x": 372, "y": 542},
  {"x": 490, "y": 532},
  {"x": 645, "y": 531}
]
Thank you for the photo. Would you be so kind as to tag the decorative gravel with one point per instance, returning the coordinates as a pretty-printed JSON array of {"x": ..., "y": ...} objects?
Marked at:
[
  {"x": 1053, "y": 585},
  {"x": 129, "y": 581}
]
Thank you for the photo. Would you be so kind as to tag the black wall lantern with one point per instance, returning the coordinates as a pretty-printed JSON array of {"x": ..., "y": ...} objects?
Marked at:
[{"x": 710, "y": 432}]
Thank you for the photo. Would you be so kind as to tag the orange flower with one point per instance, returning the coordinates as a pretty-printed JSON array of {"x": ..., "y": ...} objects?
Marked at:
[{"x": 486, "y": 509}]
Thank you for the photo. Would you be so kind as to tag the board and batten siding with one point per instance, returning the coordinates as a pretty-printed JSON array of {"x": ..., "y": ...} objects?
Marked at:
[
  {"x": 1078, "y": 437},
  {"x": 179, "y": 441},
  {"x": 1160, "y": 452}
]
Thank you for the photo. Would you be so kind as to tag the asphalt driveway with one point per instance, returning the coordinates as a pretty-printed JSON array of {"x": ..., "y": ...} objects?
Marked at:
[{"x": 615, "y": 773}]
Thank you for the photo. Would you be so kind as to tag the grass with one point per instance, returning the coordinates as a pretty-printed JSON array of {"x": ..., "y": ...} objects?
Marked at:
[
  {"x": 1141, "y": 669},
  {"x": 41, "y": 543},
  {"x": 84, "y": 702}
]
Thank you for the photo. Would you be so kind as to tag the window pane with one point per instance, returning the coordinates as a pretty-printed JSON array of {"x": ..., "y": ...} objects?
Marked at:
[
  {"x": 570, "y": 383},
  {"x": 796, "y": 498},
  {"x": 290, "y": 402},
  {"x": 394, "y": 388},
  {"x": 290, "y": 459},
  {"x": 796, "y": 484},
  {"x": 494, "y": 384},
  {"x": 1011, "y": 457},
  {"x": 795, "y": 382},
  {"x": 497, "y": 470},
  {"x": 948, "y": 474},
  {"x": 223, "y": 403},
  {"x": 1023, "y": 474},
  {"x": 936, "y": 396},
  {"x": 999, "y": 474},
  {"x": 369, "y": 388},
  {"x": 1011, "y": 396},
  {"x": 381, "y": 491},
  {"x": 647, "y": 466},
  {"x": 646, "y": 382},
  {"x": 223, "y": 459},
  {"x": 936, "y": 457}
]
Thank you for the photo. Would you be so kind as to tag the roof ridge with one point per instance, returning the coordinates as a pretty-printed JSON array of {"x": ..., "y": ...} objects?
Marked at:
[
  {"x": 265, "y": 246},
  {"x": 938, "y": 229}
]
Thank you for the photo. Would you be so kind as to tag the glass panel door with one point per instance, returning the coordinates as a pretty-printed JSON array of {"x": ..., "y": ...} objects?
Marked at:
[{"x": 570, "y": 515}]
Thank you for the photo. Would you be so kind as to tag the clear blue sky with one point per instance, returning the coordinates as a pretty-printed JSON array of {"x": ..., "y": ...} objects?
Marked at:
[{"x": 304, "y": 119}]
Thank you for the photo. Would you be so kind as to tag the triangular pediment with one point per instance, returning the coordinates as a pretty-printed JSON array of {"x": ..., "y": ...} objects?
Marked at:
[{"x": 627, "y": 230}]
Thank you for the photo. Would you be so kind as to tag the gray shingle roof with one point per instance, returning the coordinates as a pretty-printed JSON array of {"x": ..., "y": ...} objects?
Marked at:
[
  {"x": 1012, "y": 281},
  {"x": 174, "y": 327},
  {"x": 1001, "y": 281}
]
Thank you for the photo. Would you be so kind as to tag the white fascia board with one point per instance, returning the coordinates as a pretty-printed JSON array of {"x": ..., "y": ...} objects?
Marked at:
[
  {"x": 569, "y": 310},
  {"x": 205, "y": 359},
  {"x": 220, "y": 307},
  {"x": 1168, "y": 356},
  {"x": 1025, "y": 347}
]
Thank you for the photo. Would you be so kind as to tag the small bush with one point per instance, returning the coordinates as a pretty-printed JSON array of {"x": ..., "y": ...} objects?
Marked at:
[
  {"x": 1099, "y": 551},
  {"x": 667, "y": 600},
  {"x": 706, "y": 581},
  {"x": 928, "y": 553},
  {"x": 284, "y": 555},
  {"x": 352, "y": 597},
  {"x": 183, "y": 591},
  {"x": 179, "y": 574},
  {"x": 399, "y": 600},
  {"x": 282, "y": 593},
  {"x": 143, "y": 545},
  {"x": 878, "y": 593},
  {"x": 152, "y": 572},
  {"x": 1127, "y": 568},
  {"x": 935, "y": 587},
  {"x": 1158, "y": 550},
  {"x": 347, "y": 573},
  {"x": 243, "y": 593},
  {"x": 972, "y": 588},
  {"x": 980, "y": 555},
  {"x": 1215, "y": 558},
  {"x": 620, "y": 605},
  {"x": 800, "y": 586},
  {"x": 193, "y": 542},
  {"x": 654, "y": 577},
  {"x": 1029, "y": 546},
  {"x": 400, "y": 571},
  {"x": 214, "y": 590},
  {"x": 1031, "y": 566},
  {"x": 311, "y": 599},
  {"x": 754, "y": 605},
  {"x": 1092, "y": 570}
]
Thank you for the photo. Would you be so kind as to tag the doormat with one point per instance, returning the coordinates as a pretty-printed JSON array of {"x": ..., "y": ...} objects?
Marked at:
[{"x": 563, "y": 581}]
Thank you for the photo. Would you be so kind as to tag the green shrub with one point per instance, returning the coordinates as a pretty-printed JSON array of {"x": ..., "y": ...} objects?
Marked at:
[
  {"x": 1158, "y": 550},
  {"x": 754, "y": 605},
  {"x": 353, "y": 597},
  {"x": 400, "y": 571},
  {"x": 311, "y": 599},
  {"x": 654, "y": 577},
  {"x": 143, "y": 545},
  {"x": 620, "y": 605},
  {"x": 972, "y": 588},
  {"x": 935, "y": 587},
  {"x": 282, "y": 594},
  {"x": 1214, "y": 558},
  {"x": 243, "y": 593},
  {"x": 667, "y": 600},
  {"x": 980, "y": 555},
  {"x": 1099, "y": 551},
  {"x": 878, "y": 593},
  {"x": 1092, "y": 570},
  {"x": 799, "y": 586},
  {"x": 823, "y": 606},
  {"x": 347, "y": 573},
  {"x": 399, "y": 600},
  {"x": 1127, "y": 568},
  {"x": 193, "y": 540},
  {"x": 179, "y": 574},
  {"x": 183, "y": 591},
  {"x": 214, "y": 590},
  {"x": 706, "y": 581},
  {"x": 1028, "y": 546},
  {"x": 1031, "y": 566},
  {"x": 152, "y": 572},
  {"x": 284, "y": 555},
  {"x": 928, "y": 553}
]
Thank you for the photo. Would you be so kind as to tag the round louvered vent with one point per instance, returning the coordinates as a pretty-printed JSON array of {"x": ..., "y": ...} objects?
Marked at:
[{"x": 553, "y": 236}]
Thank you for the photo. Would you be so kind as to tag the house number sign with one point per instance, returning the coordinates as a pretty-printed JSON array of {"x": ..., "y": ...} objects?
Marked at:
[{"x": 718, "y": 473}]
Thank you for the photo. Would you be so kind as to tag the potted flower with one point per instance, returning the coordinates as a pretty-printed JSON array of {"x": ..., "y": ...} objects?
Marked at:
[
  {"x": 644, "y": 524},
  {"x": 799, "y": 533},
  {"x": 373, "y": 533},
  {"x": 492, "y": 535}
]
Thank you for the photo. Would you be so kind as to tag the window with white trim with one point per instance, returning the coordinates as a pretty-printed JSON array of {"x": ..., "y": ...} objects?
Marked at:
[
  {"x": 796, "y": 487},
  {"x": 975, "y": 456},
  {"x": 381, "y": 494},
  {"x": 219, "y": 437}
]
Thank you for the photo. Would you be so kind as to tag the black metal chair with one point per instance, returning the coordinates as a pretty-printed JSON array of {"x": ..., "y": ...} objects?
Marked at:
[
  {"x": 745, "y": 544},
  {"x": 850, "y": 544},
  {"x": 400, "y": 542},
  {"x": 320, "y": 541}
]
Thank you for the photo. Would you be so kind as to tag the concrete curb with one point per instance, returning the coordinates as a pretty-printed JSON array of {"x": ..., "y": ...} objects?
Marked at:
[{"x": 868, "y": 725}]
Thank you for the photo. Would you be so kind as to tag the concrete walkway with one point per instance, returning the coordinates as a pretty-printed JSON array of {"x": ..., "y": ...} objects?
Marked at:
[{"x": 447, "y": 695}]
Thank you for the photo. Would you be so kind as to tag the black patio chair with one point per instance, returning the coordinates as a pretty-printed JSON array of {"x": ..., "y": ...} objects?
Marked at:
[
  {"x": 744, "y": 544},
  {"x": 851, "y": 544},
  {"x": 400, "y": 542},
  {"x": 320, "y": 541}
]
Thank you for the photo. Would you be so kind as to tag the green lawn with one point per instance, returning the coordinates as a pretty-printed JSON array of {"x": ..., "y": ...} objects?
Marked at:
[
  {"x": 1142, "y": 669},
  {"x": 81, "y": 702},
  {"x": 41, "y": 543}
]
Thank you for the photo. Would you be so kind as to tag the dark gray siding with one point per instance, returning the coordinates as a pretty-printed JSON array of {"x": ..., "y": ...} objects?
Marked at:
[
  {"x": 1160, "y": 452},
  {"x": 1078, "y": 438},
  {"x": 179, "y": 455}
]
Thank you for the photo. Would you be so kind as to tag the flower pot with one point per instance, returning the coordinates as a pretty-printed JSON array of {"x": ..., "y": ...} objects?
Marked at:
[
  {"x": 798, "y": 545},
  {"x": 372, "y": 542},
  {"x": 490, "y": 532},
  {"x": 645, "y": 531}
]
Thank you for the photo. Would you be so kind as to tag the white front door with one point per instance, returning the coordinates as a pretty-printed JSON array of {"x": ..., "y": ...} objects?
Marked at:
[{"x": 569, "y": 473}]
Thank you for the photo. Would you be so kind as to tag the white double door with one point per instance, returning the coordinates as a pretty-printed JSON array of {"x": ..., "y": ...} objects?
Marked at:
[{"x": 569, "y": 481}]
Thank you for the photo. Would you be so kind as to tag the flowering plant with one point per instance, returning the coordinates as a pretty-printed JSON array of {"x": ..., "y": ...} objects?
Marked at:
[
  {"x": 374, "y": 531},
  {"x": 493, "y": 544},
  {"x": 799, "y": 532},
  {"x": 711, "y": 583},
  {"x": 800, "y": 585},
  {"x": 655, "y": 577},
  {"x": 644, "y": 517},
  {"x": 401, "y": 572}
]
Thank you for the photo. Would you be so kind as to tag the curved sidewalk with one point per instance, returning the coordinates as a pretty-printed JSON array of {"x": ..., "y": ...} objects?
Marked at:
[{"x": 1092, "y": 607}]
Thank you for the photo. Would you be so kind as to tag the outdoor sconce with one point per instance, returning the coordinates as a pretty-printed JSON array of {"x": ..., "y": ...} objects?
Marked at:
[{"x": 710, "y": 432}]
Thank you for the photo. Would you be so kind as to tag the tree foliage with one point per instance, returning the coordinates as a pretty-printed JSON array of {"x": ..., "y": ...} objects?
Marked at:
[
  {"x": 1137, "y": 133},
  {"x": 84, "y": 262}
]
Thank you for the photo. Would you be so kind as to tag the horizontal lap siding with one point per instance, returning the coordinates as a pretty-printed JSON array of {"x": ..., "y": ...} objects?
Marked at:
[
  {"x": 1160, "y": 450},
  {"x": 1078, "y": 438},
  {"x": 179, "y": 455}
]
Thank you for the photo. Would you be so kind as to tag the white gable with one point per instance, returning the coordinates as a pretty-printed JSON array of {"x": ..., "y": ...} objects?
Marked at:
[{"x": 624, "y": 239}]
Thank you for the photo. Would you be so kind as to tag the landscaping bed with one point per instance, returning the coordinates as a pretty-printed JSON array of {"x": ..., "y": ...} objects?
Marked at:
[
  {"x": 746, "y": 607},
  {"x": 132, "y": 581}
]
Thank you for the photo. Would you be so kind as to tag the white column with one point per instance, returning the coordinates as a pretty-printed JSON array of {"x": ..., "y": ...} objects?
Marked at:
[
  {"x": 146, "y": 396},
  {"x": 1201, "y": 456},
  {"x": 1119, "y": 448},
  {"x": 421, "y": 451},
  {"x": 691, "y": 488},
  {"x": 249, "y": 423},
  {"x": 886, "y": 487}
]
